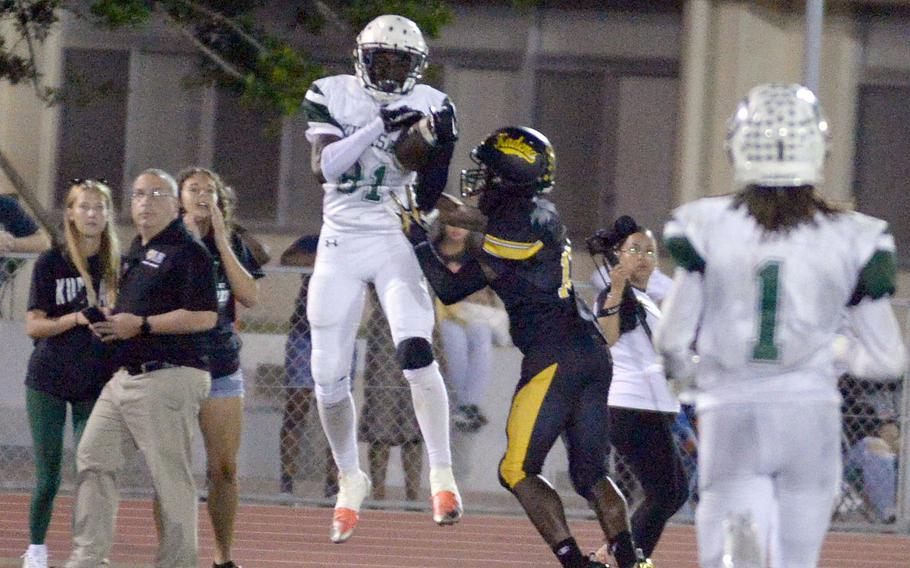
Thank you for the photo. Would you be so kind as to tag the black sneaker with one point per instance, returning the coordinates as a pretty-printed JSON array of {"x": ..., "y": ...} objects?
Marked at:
[{"x": 228, "y": 564}]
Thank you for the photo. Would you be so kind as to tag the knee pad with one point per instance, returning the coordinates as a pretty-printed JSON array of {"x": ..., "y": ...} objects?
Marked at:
[
  {"x": 333, "y": 393},
  {"x": 414, "y": 353}
]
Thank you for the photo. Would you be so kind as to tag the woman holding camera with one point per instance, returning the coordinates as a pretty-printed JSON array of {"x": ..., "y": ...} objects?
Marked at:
[
  {"x": 642, "y": 408},
  {"x": 67, "y": 366}
]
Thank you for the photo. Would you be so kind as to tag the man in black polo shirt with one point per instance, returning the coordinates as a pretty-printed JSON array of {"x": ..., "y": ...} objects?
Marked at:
[{"x": 166, "y": 303}]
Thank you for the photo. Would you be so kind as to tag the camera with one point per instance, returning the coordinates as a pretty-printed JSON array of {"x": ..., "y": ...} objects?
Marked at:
[{"x": 599, "y": 242}]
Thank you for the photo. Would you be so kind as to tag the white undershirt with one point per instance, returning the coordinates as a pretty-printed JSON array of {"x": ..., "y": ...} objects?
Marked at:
[{"x": 638, "y": 375}]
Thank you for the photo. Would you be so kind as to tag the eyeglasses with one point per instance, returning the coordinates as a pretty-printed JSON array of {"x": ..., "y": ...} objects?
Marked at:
[
  {"x": 635, "y": 251},
  {"x": 80, "y": 181},
  {"x": 152, "y": 194}
]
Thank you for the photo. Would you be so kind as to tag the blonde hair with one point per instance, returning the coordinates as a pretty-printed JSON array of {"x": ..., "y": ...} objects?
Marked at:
[
  {"x": 227, "y": 198},
  {"x": 109, "y": 248}
]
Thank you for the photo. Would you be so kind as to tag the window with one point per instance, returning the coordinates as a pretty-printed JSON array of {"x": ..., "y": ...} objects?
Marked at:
[
  {"x": 92, "y": 135},
  {"x": 882, "y": 163}
]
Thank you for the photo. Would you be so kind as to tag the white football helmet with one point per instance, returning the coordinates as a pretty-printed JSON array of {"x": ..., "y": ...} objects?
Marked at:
[
  {"x": 778, "y": 137},
  {"x": 390, "y": 33}
]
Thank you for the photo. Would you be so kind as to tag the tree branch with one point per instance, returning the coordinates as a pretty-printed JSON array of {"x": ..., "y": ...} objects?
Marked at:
[
  {"x": 331, "y": 16},
  {"x": 226, "y": 21},
  {"x": 209, "y": 52},
  {"x": 33, "y": 79}
]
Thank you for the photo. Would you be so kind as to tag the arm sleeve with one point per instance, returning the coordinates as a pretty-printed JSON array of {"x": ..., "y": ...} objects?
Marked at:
[
  {"x": 876, "y": 350},
  {"x": 450, "y": 287},
  {"x": 14, "y": 219},
  {"x": 339, "y": 156},
  {"x": 675, "y": 334},
  {"x": 432, "y": 178}
]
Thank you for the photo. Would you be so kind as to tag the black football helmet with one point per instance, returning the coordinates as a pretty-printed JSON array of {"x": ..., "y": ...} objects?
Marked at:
[{"x": 512, "y": 158}]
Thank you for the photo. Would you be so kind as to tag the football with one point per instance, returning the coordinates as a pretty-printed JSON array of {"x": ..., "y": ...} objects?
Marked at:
[{"x": 413, "y": 147}]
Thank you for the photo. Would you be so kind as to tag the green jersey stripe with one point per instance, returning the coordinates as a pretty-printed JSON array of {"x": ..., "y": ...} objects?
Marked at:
[{"x": 685, "y": 254}]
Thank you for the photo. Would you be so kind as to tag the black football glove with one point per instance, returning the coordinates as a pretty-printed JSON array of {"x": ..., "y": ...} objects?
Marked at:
[
  {"x": 444, "y": 125},
  {"x": 413, "y": 224},
  {"x": 400, "y": 118}
]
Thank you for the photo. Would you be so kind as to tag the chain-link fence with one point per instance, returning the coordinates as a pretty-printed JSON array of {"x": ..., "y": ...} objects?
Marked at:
[{"x": 284, "y": 457}]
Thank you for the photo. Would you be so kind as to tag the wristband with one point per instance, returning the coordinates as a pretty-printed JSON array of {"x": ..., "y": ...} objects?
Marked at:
[
  {"x": 607, "y": 312},
  {"x": 146, "y": 327}
]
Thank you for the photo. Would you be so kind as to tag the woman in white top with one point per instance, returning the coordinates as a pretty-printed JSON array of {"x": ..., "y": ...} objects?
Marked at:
[{"x": 642, "y": 408}]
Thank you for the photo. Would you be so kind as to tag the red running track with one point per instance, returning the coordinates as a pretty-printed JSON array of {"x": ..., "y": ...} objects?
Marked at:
[{"x": 282, "y": 537}]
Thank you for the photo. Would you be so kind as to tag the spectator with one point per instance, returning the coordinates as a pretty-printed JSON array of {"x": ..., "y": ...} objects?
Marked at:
[
  {"x": 208, "y": 213},
  {"x": 18, "y": 232},
  {"x": 297, "y": 373},
  {"x": 166, "y": 304},
  {"x": 468, "y": 329},
  {"x": 66, "y": 367},
  {"x": 875, "y": 459},
  {"x": 387, "y": 416},
  {"x": 642, "y": 408}
]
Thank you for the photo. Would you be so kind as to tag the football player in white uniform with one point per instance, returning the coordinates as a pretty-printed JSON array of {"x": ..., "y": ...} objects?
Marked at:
[
  {"x": 353, "y": 124},
  {"x": 764, "y": 279}
]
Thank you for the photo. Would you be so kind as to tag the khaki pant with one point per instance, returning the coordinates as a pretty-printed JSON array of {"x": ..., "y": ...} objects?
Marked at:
[{"x": 155, "y": 413}]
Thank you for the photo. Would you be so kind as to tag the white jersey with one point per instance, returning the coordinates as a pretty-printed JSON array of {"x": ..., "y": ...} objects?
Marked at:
[
  {"x": 638, "y": 375},
  {"x": 771, "y": 304},
  {"x": 359, "y": 201}
]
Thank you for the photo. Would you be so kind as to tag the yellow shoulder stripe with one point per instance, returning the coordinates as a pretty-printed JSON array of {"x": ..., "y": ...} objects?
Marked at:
[{"x": 511, "y": 250}]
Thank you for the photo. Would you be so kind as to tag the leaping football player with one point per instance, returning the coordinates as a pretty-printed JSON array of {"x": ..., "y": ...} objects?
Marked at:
[{"x": 353, "y": 123}]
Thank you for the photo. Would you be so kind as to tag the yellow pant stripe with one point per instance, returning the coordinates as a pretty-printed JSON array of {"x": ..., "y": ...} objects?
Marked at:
[{"x": 522, "y": 416}]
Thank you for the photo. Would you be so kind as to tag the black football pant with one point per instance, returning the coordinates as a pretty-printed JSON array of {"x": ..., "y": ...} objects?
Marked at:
[{"x": 563, "y": 389}]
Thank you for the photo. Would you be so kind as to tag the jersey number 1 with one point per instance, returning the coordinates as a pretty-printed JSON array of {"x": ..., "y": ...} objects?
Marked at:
[{"x": 768, "y": 278}]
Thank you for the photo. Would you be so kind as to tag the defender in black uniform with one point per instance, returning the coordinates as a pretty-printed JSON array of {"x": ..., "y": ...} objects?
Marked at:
[{"x": 565, "y": 376}]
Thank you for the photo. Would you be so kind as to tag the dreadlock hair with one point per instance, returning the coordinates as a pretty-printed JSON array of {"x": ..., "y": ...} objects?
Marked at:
[{"x": 781, "y": 209}]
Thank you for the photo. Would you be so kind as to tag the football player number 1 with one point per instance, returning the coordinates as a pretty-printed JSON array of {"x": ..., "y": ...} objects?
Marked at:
[{"x": 768, "y": 276}]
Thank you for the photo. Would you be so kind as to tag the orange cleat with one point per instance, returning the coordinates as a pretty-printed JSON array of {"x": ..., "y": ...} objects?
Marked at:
[
  {"x": 446, "y": 508},
  {"x": 352, "y": 490},
  {"x": 343, "y": 523}
]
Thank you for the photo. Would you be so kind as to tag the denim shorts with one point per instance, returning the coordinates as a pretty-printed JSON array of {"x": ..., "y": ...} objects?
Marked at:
[{"x": 229, "y": 386}]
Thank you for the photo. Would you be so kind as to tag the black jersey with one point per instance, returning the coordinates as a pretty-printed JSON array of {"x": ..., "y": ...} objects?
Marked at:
[
  {"x": 526, "y": 246},
  {"x": 224, "y": 343},
  {"x": 73, "y": 365}
]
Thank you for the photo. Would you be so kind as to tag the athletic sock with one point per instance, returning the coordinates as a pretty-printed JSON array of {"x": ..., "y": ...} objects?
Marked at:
[
  {"x": 568, "y": 553},
  {"x": 339, "y": 424},
  {"x": 623, "y": 550},
  {"x": 431, "y": 405}
]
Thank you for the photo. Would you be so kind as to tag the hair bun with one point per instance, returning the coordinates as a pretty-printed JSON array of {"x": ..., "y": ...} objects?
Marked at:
[{"x": 625, "y": 226}]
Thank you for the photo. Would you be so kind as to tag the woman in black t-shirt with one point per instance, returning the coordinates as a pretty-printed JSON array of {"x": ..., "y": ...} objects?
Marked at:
[
  {"x": 67, "y": 365},
  {"x": 207, "y": 206}
]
